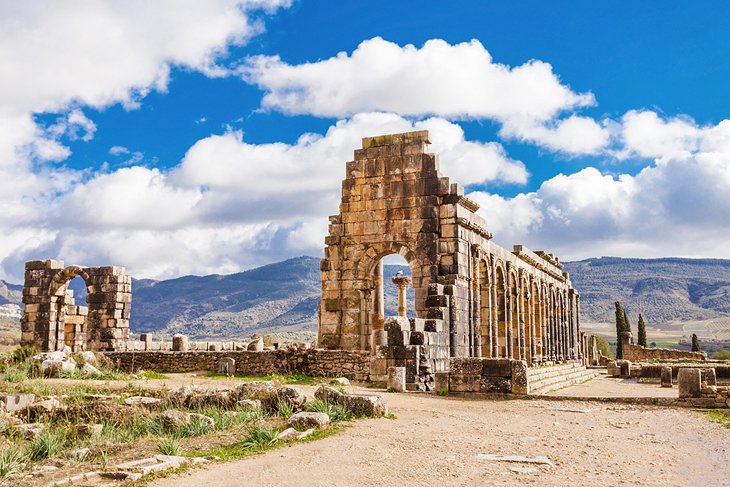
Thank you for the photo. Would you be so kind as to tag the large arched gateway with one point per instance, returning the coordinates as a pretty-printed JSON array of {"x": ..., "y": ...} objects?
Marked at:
[
  {"x": 491, "y": 302},
  {"x": 52, "y": 319}
]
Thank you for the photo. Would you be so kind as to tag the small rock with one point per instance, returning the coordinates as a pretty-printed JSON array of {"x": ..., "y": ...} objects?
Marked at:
[
  {"x": 89, "y": 370},
  {"x": 250, "y": 404},
  {"x": 144, "y": 401},
  {"x": 288, "y": 434},
  {"x": 46, "y": 405},
  {"x": 173, "y": 419},
  {"x": 86, "y": 430},
  {"x": 256, "y": 345},
  {"x": 292, "y": 396},
  {"x": 202, "y": 418},
  {"x": 78, "y": 454},
  {"x": 343, "y": 381},
  {"x": 88, "y": 356},
  {"x": 30, "y": 430},
  {"x": 308, "y": 420}
]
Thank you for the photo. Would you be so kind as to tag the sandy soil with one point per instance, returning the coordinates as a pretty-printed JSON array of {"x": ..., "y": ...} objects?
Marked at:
[{"x": 436, "y": 440}]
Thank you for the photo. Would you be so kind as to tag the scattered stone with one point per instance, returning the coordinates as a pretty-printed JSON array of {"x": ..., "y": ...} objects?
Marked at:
[
  {"x": 307, "y": 420},
  {"x": 78, "y": 454},
  {"x": 54, "y": 367},
  {"x": 15, "y": 402},
  {"x": 522, "y": 469},
  {"x": 250, "y": 404},
  {"x": 181, "y": 396},
  {"x": 43, "y": 470},
  {"x": 357, "y": 404},
  {"x": 30, "y": 430},
  {"x": 291, "y": 396},
  {"x": 201, "y": 418},
  {"x": 541, "y": 460},
  {"x": 85, "y": 430},
  {"x": 150, "y": 403},
  {"x": 45, "y": 406},
  {"x": 88, "y": 356},
  {"x": 342, "y": 381},
  {"x": 89, "y": 370},
  {"x": 292, "y": 434},
  {"x": 173, "y": 419},
  {"x": 256, "y": 345}
]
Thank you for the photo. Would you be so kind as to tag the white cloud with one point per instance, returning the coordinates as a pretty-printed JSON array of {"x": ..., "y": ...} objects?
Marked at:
[
  {"x": 59, "y": 57},
  {"x": 676, "y": 207},
  {"x": 118, "y": 150},
  {"x": 451, "y": 81}
]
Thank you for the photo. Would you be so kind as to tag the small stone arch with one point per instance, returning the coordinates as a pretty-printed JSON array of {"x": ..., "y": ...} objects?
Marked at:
[{"x": 52, "y": 319}]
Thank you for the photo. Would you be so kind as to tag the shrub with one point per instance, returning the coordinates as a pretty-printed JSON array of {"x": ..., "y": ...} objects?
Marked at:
[
  {"x": 721, "y": 355},
  {"x": 336, "y": 412},
  {"x": 22, "y": 354},
  {"x": 603, "y": 346}
]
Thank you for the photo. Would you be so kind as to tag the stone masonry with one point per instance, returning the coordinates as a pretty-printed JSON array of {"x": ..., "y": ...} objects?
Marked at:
[
  {"x": 488, "y": 302},
  {"x": 51, "y": 318}
]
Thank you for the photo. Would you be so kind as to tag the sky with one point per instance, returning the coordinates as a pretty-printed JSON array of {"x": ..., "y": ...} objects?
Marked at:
[{"x": 182, "y": 137}]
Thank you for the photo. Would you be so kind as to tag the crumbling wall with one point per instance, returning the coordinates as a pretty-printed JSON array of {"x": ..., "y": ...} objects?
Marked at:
[
  {"x": 637, "y": 353},
  {"x": 326, "y": 363}
]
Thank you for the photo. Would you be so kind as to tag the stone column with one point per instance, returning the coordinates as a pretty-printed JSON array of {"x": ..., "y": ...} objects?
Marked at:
[
  {"x": 521, "y": 322},
  {"x": 402, "y": 283},
  {"x": 533, "y": 328},
  {"x": 378, "y": 302},
  {"x": 494, "y": 331}
]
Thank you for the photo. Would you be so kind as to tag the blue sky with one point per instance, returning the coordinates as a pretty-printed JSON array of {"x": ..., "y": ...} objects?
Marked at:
[{"x": 175, "y": 114}]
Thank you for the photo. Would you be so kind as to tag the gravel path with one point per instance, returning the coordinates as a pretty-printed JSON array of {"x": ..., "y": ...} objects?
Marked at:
[
  {"x": 435, "y": 441},
  {"x": 605, "y": 386}
]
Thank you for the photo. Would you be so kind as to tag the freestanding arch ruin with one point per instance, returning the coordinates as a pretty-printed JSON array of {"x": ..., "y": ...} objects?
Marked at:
[
  {"x": 51, "y": 318},
  {"x": 483, "y": 300}
]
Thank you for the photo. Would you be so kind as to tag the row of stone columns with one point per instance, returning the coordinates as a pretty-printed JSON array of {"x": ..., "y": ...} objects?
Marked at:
[{"x": 540, "y": 320}]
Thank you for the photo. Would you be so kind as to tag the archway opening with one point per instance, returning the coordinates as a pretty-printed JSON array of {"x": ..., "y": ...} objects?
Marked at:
[
  {"x": 71, "y": 313},
  {"x": 394, "y": 265}
]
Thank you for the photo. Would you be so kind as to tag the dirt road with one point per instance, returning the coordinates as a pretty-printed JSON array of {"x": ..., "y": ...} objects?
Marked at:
[{"x": 436, "y": 440}]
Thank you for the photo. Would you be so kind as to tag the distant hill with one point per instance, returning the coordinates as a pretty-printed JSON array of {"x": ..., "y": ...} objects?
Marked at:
[
  {"x": 663, "y": 290},
  {"x": 676, "y": 296}
]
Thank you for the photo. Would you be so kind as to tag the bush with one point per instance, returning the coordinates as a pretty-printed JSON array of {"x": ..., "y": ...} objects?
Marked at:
[
  {"x": 721, "y": 355},
  {"x": 603, "y": 346}
]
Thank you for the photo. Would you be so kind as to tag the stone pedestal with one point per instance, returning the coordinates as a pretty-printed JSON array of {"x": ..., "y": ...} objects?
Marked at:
[
  {"x": 397, "y": 379},
  {"x": 180, "y": 343},
  {"x": 227, "y": 366},
  {"x": 666, "y": 376},
  {"x": 689, "y": 382},
  {"x": 402, "y": 283}
]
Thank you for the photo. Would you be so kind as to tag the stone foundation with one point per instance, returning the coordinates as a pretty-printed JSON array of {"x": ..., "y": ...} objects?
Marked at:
[
  {"x": 325, "y": 363},
  {"x": 636, "y": 353}
]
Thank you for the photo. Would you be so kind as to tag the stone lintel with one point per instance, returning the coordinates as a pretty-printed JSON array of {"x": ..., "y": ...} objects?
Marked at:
[{"x": 390, "y": 139}]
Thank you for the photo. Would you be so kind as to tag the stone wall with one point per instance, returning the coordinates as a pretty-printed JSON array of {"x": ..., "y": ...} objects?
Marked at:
[
  {"x": 471, "y": 376},
  {"x": 636, "y": 353},
  {"x": 651, "y": 373},
  {"x": 326, "y": 363}
]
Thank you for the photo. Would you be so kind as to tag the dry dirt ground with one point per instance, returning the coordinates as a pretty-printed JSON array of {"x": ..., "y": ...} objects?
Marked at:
[{"x": 436, "y": 440}]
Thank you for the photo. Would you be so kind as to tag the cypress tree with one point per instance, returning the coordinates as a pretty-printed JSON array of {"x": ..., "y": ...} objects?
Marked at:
[
  {"x": 627, "y": 323},
  {"x": 619, "y": 328},
  {"x": 695, "y": 343},
  {"x": 642, "y": 331}
]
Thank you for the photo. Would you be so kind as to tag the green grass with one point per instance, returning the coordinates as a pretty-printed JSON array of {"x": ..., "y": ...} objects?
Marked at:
[
  {"x": 260, "y": 438},
  {"x": 151, "y": 374},
  {"x": 169, "y": 446},
  {"x": 48, "y": 443},
  {"x": 722, "y": 417},
  {"x": 334, "y": 411},
  {"x": 12, "y": 459}
]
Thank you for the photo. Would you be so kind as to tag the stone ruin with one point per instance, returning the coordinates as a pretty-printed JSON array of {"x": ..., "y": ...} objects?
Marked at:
[
  {"x": 52, "y": 319},
  {"x": 473, "y": 298}
]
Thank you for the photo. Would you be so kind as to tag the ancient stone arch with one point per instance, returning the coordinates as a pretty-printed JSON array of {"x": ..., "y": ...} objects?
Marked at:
[
  {"x": 52, "y": 318},
  {"x": 486, "y": 300}
]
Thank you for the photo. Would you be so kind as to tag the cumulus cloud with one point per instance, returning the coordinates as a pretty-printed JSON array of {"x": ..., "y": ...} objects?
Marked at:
[
  {"x": 58, "y": 58},
  {"x": 676, "y": 206},
  {"x": 450, "y": 81}
]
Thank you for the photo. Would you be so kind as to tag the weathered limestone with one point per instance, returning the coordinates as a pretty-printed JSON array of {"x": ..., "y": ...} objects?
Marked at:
[
  {"x": 482, "y": 299},
  {"x": 179, "y": 343},
  {"x": 397, "y": 379},
  {"x": 637, "y": 353},
  {"x": 51, "y": 318},
  {"x": 666, "y": 378},
  {"x": 226, "y": 366},
  {"x": 402, "y": 283},
  {"x": 689, "y": 382}
]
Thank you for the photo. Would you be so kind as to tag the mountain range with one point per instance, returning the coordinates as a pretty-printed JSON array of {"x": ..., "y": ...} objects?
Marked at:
[{"x": 674, "y": 295}]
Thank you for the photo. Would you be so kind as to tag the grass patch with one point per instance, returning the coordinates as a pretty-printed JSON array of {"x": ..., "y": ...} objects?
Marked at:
[
  {"x": 12, "y": 459},
  {"x": 169, "y": 446},
  {"x": 260, "y": 438},
  {"x": 150, "y": 374},
  {"x": 721, "y": 417},
  {"x": 48, "y": 443},
  {"x": 334, "y": 411}
]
